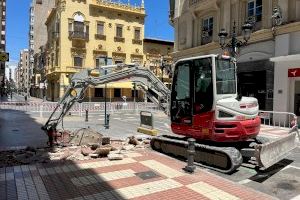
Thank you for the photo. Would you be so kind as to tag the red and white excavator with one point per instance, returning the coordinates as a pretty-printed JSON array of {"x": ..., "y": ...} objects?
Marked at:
[{"x": 203, "y": 104}]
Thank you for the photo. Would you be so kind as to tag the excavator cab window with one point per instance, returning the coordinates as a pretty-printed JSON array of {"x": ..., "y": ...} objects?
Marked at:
[
  {"x": 225, "y": 76},
  {"x": 181, "y": 96},
  {"x": 203, "y": 93}
]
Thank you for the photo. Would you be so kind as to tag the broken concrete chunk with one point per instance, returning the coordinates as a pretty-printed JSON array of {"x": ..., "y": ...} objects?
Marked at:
[
  {"x": 103, "y": 151},
  {"x": 147, "y": 141},
  {"x": 94, "y": 155},
  {"x": 115, "y": 156},
  {"x": 94, "y": 146},
  {"x": 133, "y": 140},
  {"x": 128, "y": 147},
  {"x": 86, "y": 150}
]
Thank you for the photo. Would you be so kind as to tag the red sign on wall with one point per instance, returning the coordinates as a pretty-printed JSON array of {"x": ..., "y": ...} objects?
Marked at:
[{"x": 295, "y": 72}]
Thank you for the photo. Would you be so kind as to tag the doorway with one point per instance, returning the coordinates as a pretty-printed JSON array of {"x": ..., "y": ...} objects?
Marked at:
[{"x": 297, "y": 98}]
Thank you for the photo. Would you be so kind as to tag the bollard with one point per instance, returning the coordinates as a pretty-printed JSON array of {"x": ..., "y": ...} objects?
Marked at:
[
  {"x": 86, "y": 115},
  {"x": 106, "y": 125},
  {"x": 190, "y": 156}
]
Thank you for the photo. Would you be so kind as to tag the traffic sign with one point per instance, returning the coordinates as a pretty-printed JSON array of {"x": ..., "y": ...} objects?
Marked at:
[{"x": 4, "y": 57}]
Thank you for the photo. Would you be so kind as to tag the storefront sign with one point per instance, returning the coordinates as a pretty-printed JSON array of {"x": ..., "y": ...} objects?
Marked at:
[{"x": 295, "y": 72}]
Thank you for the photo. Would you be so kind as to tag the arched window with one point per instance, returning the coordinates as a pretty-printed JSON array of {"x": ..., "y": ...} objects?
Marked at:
[{"x": 78, "y": 17}]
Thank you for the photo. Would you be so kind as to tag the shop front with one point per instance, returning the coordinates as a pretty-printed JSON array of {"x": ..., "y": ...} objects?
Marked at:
[{"x": 287, "y": 84}]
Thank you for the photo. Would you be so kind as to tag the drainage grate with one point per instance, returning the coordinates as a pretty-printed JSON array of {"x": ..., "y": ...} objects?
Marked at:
[{"x": 147, "y": 175}]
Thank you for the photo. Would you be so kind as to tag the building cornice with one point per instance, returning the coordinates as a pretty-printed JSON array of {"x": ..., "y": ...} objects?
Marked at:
[
  {"x": 258, "y": 36},
  {"x": 120, "y": 7}
]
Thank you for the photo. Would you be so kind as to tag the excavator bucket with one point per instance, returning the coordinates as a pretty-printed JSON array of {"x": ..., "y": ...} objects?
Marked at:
[{"x": 272, "y": 152}]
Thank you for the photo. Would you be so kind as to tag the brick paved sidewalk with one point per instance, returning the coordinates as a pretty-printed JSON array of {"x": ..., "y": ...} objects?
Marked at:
[{"x": 141, "y": 175}]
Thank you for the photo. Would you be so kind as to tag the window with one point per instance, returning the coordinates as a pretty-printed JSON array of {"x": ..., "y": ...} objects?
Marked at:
[
  {"x": 56, "y": 58},
  {"x": 181, "y": 97},
  {"x": 52, "y": 59},
  {"x": 207, "y": 30},
  {"x": 226, "y": 79},
  {"x": 78, "y": 61},
  {"x": 255, "y": 9},
  {"x": 117, "y": 92},
  {"x": 119, "y": 32},
  {"x": 70, "y": 26},
  {"x": 100, "y": 61},
  {"x": 119, "y": 61},
  {"x": 78, "y": 27},
  {"x": 98, "y": 92},
  {"x": 137, "y": 33},
  {"x": 100, "y": 28}
]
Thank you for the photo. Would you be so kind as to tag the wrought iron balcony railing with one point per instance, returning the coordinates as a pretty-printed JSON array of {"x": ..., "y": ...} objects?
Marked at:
[{"x": 78, "y": 35}]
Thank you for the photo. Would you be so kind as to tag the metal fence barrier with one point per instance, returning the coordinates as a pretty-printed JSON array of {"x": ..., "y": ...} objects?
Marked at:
[
  {"x": 79, "y": 108},
  {"x": 278, "y": 119}
]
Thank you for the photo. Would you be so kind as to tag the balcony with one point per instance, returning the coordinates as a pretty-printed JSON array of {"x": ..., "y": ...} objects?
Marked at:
[
  {"x": 119, "y": 39},
  {"x": 135, "y": 41},
  {"x": 79, "y": 35},
  {"x": 100, "y": 37}
]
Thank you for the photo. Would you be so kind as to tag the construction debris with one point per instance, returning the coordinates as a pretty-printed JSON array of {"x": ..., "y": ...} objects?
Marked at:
[
  {"x": 90, "y": 145},
  {"x": 85, "y": 136}
]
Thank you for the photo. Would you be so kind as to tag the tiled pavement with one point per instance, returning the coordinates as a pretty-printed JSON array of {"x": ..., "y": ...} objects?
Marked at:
[{"x": 108, "y": 180}]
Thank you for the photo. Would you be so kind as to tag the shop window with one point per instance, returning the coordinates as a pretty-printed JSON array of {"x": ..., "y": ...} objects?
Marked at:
[
  {"x": 136, "y": 93},
  {"x": 100, "y": 61},
  {"x": 117, "y": 92},
  {"x": 99, "y": 92}
]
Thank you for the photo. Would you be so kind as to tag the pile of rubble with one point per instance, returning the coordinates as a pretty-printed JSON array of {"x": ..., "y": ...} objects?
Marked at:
[{"x": 83, "y": 144}]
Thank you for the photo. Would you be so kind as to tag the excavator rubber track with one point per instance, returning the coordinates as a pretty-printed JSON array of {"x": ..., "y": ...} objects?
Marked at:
[{"x": 222, "y": 159}]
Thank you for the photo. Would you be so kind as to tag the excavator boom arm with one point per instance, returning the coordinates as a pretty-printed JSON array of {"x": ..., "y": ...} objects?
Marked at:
[{"x": 81, "y": 80}]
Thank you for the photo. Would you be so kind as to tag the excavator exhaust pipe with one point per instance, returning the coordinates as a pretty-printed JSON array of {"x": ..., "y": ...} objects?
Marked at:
[{"x": 271, "y": 152}]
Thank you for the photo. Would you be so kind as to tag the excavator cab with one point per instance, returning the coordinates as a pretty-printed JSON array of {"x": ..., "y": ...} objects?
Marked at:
[{"x": 205, "y": 103}]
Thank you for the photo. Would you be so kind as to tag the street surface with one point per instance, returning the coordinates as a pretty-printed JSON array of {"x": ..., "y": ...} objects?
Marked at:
[{"x": 20, "y": 128}]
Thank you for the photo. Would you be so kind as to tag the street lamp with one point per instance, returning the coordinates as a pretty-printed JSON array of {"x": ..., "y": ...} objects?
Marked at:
[
  {"x": 234, "y": 43},
  {"x": 106, "y": 125}
]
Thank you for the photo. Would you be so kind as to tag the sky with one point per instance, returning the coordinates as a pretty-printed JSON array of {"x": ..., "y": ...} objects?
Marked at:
[{"x": 156, "y": 24}]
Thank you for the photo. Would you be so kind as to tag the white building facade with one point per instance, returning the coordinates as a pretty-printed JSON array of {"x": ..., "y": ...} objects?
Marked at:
[{"x": 272, "y": 50}]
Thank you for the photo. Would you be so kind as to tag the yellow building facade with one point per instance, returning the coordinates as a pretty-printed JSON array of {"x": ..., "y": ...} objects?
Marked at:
[{"x": 82, "y": 33}]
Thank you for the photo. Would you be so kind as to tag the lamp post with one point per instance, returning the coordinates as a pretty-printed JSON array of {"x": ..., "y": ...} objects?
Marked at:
[
  {"x": 105, "y": 109},
  {"x": 234, "y": 43}
]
